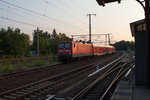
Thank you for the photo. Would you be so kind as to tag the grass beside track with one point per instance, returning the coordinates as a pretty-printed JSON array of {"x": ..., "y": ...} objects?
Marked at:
[{"x": 13, "y": 67}]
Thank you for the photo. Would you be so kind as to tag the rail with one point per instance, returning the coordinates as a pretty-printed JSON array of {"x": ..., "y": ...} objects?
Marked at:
[
  {"x": 81, "y": 94},
  {"x": 27, "y": 90},
  {"x": 115, "y": 80}
]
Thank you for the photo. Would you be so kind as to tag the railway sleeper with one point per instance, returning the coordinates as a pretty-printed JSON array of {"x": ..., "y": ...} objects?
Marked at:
[
  {"x": 16, "y": 95},
  {"x": 27, "y": 99},
  {"x": 49, "y": 88},
  {"x": 46, "y": 89},
  {"x": 26, "y": 91},
  {"x": 35, "y": 87},
  {"x": 93, "y": 95},
  {"x": 9, "y": 97},
  {"x": 38, "y": 94},
  {"x": 32, "y": 96},
  {"x": 58, "y": 84},
  {"x": 39, "y": 99},
  {"x": 39, "y": 85},
  {"x": 42, "y": 91},
  {"x": 30, "y": 89},
  {"x": 20, "y": 92},
  {"x": 91, "y": 98}
]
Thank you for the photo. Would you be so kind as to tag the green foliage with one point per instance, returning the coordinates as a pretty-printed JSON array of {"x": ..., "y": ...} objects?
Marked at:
[
  {"x": 12, "y": 67},
  {"x": 124, "y": 45},
  {"x": 47, "y": 42},
  {"x": 39, "y": 63},
  {"x": 13, "y": 43},
  {"x": 6, "y": 68}
]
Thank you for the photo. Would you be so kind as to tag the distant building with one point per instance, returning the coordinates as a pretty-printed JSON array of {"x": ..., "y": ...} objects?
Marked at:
[{"x": 33, "y": 53}]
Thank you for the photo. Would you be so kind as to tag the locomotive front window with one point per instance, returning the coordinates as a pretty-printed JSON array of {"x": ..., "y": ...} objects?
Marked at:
[
  {"x": 67, "y": 45},
  {"x": 61, "y": 45}
]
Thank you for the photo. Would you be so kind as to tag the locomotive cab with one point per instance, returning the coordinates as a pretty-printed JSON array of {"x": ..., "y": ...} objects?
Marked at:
[{"x": 65, "y": 51}]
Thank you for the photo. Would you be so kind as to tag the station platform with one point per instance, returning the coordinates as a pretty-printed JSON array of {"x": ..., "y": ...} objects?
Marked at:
[{"x": 127, "y": 90}]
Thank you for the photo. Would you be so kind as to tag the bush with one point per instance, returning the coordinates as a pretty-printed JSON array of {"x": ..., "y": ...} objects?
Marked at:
[
  {"x": 38, "y": 63},
  {"x": 7, "y": 68}
]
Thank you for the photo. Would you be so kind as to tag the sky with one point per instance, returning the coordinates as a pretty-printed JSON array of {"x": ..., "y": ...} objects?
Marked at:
[{"x": 70, "y": 17}]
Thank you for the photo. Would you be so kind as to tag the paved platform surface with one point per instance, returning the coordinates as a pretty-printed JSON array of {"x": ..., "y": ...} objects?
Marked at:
[{"x": 126, "y": 90}]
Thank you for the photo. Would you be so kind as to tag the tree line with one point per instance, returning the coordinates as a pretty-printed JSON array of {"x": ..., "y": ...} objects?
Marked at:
[
  {"x": 15, "y": 44},
  {"x": 124, "y": 46}
]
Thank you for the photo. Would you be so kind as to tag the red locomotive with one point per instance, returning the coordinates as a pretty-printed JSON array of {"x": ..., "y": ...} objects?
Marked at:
[{"x": 73, "y": 50}]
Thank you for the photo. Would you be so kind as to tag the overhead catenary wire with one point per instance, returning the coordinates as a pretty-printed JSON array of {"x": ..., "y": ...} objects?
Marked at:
[
  {"x": 21, "y": 16},
  {"x": 40, "y": 17},
  {"x": 2, "y": 11},
  {"x": 78, "y": 12},
  {"x": 6, "y": 18},
  {"x": 81, "y": 9},
  {"x": 50, "y": 3},
  {"x": 21, "y": 22},
  {"x": 18, "y": 21},
  {"x": 7, "y": 11},
  {"x": 67, "y": 6},
  {"x": 33, "y": 13},
  {"x": 45, "y": 7},
  {"x": 72, "y": 2},
  {"x": 2, "y": 26},
  {"x": 46, "y": 20},
  {"x": 40, "y": 14}
]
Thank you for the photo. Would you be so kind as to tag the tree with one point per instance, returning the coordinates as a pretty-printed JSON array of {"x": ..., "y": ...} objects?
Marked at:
[
  {"x": 54, "y": 34},
  {"x": 48, "y": 42},
  {"x": 43, "y": 38},
  {"x": 124, "y": 45},
  {"x": 13, "y": 43}
]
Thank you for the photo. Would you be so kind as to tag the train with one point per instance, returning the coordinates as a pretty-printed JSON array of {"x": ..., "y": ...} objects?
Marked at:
[{"x": 68, "y": 51}]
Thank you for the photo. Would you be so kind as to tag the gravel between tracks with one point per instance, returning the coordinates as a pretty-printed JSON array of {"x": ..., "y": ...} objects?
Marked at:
[
  {"x": 14, "y": 82},
  {"x": 79, "y": 83}
]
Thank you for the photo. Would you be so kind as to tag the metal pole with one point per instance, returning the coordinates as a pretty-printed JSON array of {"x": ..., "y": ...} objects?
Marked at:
[
  {"x": 72, "y": 37},
  {"x": 108, "y": 38},
  {"x": 147, "y": 20},
  {"x": 38, "y": 53},
  {"x": 90, "y": 25}
]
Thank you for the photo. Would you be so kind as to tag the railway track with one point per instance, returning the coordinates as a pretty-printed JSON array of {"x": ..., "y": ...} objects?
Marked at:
[
  {"x": 21, "y": 60},
  {"x": 37, "y": 89},
  {"x": 21, "y": 73},
  {"x": 18, "y": 79},
  {"x": 100, "y": 89}
]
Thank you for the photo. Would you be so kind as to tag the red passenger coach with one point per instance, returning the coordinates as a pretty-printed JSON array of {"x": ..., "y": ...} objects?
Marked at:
[{"x": 101, "y": 50}]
